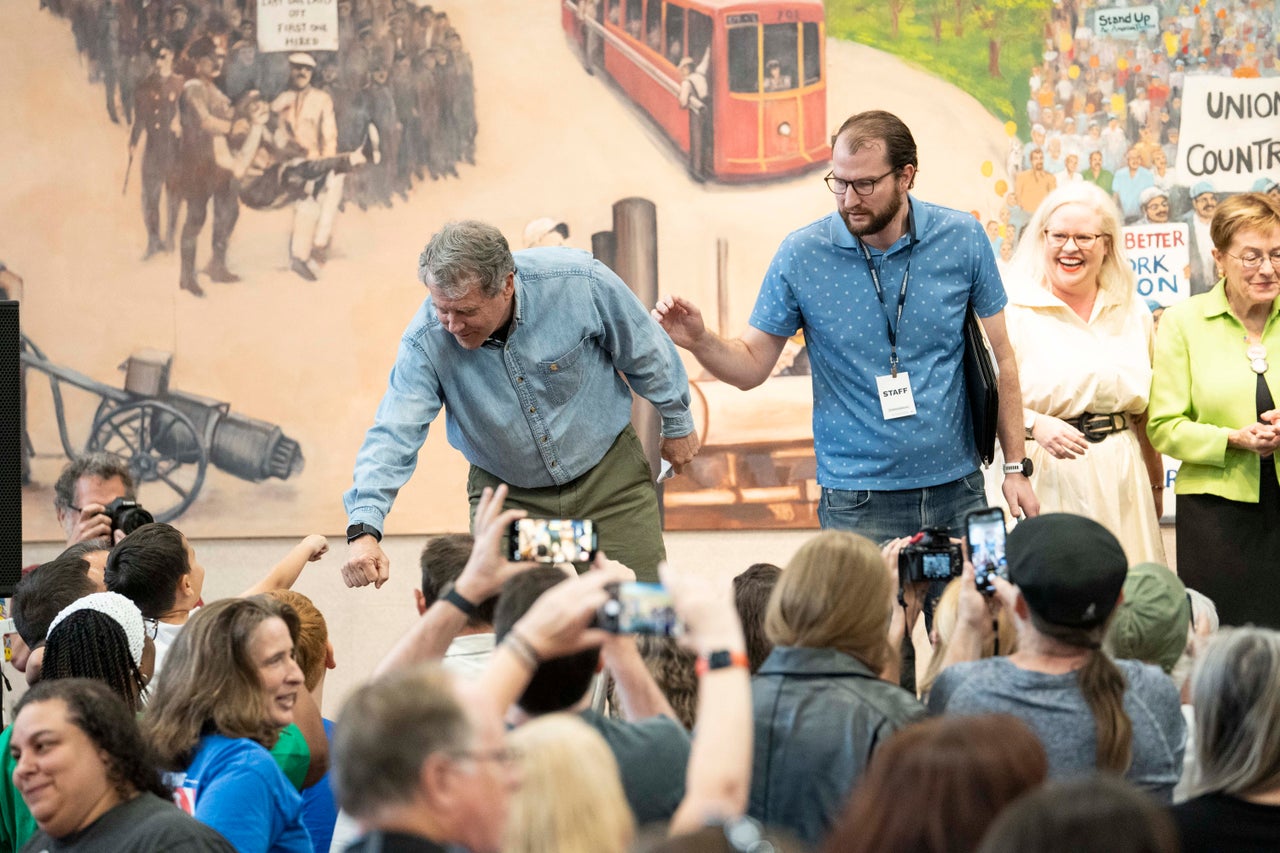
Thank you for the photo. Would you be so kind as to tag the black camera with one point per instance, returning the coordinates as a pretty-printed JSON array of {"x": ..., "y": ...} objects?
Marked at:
[
  {"x": 930, "y": 556},
  {"x": 126, "y": 515}
]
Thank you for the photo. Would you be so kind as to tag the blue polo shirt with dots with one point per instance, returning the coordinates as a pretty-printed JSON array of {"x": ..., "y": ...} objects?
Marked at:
[{"x": 819, "y": 283}]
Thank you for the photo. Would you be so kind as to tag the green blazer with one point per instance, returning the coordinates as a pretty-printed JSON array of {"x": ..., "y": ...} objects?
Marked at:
[{"x": 1202, "y": 388}]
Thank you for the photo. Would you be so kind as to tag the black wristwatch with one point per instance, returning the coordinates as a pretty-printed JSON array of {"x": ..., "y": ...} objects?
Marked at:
[
  {"x": 355, "y": 531},
  {"x": 1024, "y": 467},
  {"x": 450, "y": 594}
]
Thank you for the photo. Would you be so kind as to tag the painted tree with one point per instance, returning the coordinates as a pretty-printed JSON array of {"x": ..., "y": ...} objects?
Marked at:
[
  {"x": 896, "y": 8},
  {"x": 935, "y": 11},
  {"x": 1003, "y": 19}
]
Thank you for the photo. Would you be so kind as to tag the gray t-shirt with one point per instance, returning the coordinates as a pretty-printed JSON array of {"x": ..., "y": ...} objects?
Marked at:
[
  {"x": 145, "y": 824},
  {"x": 1055, "y": 709}
]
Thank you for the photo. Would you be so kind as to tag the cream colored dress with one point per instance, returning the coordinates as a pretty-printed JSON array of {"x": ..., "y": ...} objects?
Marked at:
[{"x": 1067, "y": 367}]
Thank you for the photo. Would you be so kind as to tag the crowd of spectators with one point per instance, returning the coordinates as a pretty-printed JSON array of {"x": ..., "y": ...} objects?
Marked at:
[
  {"x": 1060, "y": 713},
  {"x": 1108, "y": 110}
]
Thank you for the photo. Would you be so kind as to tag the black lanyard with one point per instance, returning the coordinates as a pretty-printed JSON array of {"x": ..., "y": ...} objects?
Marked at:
[{"x": 892, "y": 327}]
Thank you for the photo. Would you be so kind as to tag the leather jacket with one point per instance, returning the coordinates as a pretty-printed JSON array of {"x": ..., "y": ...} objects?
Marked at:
[{"x": 819, "y": 714}]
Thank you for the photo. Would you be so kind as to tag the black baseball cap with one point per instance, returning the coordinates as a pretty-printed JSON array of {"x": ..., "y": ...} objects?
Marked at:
[{"x": 1069, "y": 568}]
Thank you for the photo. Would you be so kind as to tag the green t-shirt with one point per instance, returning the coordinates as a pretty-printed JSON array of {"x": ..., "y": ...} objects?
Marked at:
[
  {"x": 292, "y": 754},
  {"x": 16, "y": 823}
]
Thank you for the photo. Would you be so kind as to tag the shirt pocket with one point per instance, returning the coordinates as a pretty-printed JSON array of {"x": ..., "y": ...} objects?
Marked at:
[{"x": 561, "y": 377}]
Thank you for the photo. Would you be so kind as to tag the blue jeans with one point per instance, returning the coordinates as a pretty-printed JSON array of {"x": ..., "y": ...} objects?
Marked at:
[{"x": 888, "y": 515}]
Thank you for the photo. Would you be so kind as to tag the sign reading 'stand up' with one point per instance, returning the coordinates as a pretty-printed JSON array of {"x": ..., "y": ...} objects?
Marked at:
[
  {"x": 1127, "y": 22},
  {"x": 1230, "y": 132},
  {"x": 289, "y": 25}
]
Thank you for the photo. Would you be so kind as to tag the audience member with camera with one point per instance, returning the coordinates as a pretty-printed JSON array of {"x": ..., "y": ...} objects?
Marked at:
[
  {"x": 820, "y": 707},
  {"x": 651, "y": 747},
  {"x": 1065, "y": 575},
  {"x": 94, "y": 496},
  {"x": 420, "y": 758}
]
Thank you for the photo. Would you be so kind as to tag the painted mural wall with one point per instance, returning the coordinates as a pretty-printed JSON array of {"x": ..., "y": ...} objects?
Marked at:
[{"x": 239, "y": 371}]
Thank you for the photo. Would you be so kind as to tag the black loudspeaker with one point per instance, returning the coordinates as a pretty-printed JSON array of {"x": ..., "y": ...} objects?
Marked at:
[{"x": 11, "y": 420}]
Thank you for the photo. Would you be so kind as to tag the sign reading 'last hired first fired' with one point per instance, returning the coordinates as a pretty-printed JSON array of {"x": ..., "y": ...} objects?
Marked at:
[{"x": 289, "y": 25}]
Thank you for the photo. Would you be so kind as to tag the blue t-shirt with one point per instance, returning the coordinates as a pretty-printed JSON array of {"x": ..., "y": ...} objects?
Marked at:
[
  {"x": 819, "y": 282},
  {"x": 319, "y": 810},
  {"x": 1128, "y": 190},
  {"x": 235, "y": 786}
]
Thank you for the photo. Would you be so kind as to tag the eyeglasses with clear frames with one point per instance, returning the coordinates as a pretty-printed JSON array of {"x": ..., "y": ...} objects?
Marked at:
[
  {"x": 1084, "y": 242},
  {"x": 507, "y": 757},
  {"x": 1253, "y": 260},
  {"x": 862, "y": 186}
]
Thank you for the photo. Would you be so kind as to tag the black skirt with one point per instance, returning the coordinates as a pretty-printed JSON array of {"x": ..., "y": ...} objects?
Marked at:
[{"x": 1230, "y": 550}]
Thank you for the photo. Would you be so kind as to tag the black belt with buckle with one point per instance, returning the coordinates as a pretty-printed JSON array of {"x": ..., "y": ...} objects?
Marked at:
[{"x": 1097, "y": 426}]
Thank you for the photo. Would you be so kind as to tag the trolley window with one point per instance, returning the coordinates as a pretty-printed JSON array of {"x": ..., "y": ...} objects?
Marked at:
[
  {"x": 781, "y": 47},
  {"x": 635, "y": 19},
  {"x": 675, "y": 34},
  {"x": 653, "y": 25},
  {"x": 699, "y": 26},
  {"x": 812, "y": 55},
  {"x": 744, "y": 59}
]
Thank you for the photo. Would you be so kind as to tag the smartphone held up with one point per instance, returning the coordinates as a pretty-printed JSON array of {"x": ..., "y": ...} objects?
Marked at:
[
  {"x": 552, "y": 540},
  {"x": 986, "y": 537},
  {"x": 639, "y": 608}
]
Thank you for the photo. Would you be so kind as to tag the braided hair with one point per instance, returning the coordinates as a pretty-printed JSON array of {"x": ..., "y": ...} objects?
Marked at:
[{"x": 89, "y": 644}]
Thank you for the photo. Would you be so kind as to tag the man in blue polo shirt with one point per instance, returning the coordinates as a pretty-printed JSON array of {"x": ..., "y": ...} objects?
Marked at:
[{"x": 880, "y": 289}]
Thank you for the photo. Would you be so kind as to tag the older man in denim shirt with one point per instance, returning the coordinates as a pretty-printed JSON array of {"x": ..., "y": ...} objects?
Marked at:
[{"x": 528, "y": 355}]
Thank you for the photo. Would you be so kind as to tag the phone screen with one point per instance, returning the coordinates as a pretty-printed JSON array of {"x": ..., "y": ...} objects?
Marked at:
[
  {"x": 640, "y": 608},
  {"x": 987, "y": 547},
  {"x": 553, "y": 540}
]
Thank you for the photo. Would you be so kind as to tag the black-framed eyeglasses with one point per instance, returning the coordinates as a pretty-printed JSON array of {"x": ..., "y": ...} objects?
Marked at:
[
  {"x": 151, "y": 627},
  {"x": 1084, "y": 242},
  {"x": 862, "y": 186},
  {"x": 1253, "y": 260}
]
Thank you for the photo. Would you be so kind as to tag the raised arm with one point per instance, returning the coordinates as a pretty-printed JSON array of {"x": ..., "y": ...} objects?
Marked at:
[
  {"x": 558, "y": 624},
  {"x": 743, "y": 362},
  {"x": 481, "y": 578},
  {"x": 389, "y": 454},
  {"x": 285, "y": 573},
  {"x": 718, "y": 779}
]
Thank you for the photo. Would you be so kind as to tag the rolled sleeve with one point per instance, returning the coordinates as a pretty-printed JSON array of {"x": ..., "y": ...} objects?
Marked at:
[{"x": 389, "y": 454}]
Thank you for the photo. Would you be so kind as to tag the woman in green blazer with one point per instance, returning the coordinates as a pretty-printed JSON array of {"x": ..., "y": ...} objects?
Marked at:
[{"x": 1213, "y": 405}]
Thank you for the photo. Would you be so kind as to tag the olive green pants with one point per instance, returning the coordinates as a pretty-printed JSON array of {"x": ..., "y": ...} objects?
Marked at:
[{"x": 617, "y": 494}]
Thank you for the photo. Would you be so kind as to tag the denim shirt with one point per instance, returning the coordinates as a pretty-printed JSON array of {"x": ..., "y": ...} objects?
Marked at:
[{"x": 540, "y": 409}]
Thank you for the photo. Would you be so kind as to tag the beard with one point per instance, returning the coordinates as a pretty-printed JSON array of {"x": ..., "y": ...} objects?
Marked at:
[{"x": 880, "y": 219}]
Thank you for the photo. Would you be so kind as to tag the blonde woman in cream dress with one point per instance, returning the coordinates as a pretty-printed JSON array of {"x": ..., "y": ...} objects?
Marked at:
[{"x": 1084, "y": 343}]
